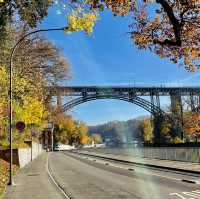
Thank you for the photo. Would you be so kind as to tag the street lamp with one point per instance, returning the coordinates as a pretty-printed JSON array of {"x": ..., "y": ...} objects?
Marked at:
[{"x": 10, "y": 88}]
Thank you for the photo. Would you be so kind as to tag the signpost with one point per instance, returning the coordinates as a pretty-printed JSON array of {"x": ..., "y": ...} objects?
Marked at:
[{"x": 51, "y": 127}]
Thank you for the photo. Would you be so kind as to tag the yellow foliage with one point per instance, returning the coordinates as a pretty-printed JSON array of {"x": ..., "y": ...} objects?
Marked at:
[
  {"x": 27, "y": 105},
  {"x": 85, "y": 139},
  {"x": 166, "y": 128},
  {"x": 79, "y": 21},
  {"x": 146, "y": 130},
  {"x": 192, "y": 123},
  {"x": 33, "y": 110}
]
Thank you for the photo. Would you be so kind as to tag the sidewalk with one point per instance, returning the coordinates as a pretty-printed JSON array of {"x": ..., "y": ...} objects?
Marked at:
[
  {"x": 165, "y": 164},
  {"x": 33, "y": 182}
]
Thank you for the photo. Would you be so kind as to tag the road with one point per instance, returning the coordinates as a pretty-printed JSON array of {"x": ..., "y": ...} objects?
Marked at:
[{"x": 87, "y": 178}]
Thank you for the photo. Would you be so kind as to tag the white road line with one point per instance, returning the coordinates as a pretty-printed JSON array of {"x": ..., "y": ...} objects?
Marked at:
[{"x": 53, "y": 180}]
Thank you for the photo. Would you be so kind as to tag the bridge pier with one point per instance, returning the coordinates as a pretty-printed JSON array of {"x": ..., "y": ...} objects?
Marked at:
[
  {"x": 156, "y": 118},
  {"x": 58, "y": 100},
  {"x": 177, "y": 113},
  {"x": 192, "y": 101},
  {"x": 157, "y": 121}
]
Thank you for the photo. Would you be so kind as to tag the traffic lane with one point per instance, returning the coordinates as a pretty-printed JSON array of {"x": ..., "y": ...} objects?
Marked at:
[
  {"x": 158, "y": 177},
  {"x": 162, "y": 173},
  {"x": 81, "y": 180}
]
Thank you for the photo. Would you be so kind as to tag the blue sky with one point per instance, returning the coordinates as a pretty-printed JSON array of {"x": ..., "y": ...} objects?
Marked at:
[{"x": 108, "y": 57}]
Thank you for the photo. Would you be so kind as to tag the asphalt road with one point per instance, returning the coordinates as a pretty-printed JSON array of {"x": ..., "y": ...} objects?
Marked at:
[{"x": 87, "y": 178}]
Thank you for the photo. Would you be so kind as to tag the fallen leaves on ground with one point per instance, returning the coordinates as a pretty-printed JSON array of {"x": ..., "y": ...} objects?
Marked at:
[{"x": 4, "y": 174}]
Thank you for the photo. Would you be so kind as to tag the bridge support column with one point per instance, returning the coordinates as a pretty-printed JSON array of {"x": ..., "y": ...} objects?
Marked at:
[
  {"x": 198, "y": 103},
  {"x": 156, "y": 118},
  {"x": 177, "y": 112},
  {"x": 192, "y": 102},
  {"x": 157, "y": 122},
  {"x": 59, "y": 101}
]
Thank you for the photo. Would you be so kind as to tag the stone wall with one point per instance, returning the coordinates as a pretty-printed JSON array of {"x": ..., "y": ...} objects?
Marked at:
[
  {"x": 22, "y": 156},
  {"x": 5, "y": 155}
]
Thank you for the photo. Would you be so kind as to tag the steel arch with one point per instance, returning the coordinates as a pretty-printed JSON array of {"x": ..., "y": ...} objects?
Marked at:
[{"x": 148, "y": 106}]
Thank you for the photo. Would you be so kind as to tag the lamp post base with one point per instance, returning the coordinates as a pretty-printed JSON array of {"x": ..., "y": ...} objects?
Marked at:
[{"x": 11, "y": 184}]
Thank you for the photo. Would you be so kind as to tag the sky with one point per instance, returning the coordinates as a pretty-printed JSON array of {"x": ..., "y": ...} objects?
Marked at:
[{"x": 109, "y": 57}]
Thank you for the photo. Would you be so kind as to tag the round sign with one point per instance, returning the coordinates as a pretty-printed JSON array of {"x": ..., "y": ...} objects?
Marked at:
[{"x": 20, "y": 126}]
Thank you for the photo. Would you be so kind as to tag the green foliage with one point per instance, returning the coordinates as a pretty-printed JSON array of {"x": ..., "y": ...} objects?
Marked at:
[{"x": 4, "y": 143}]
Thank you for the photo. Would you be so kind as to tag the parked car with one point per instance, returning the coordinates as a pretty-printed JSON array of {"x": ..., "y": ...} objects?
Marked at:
[{"x": 56, "y": 148}]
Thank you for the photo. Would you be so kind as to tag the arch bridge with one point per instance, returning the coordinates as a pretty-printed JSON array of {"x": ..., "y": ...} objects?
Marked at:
[{"x": 81, "y": 94}]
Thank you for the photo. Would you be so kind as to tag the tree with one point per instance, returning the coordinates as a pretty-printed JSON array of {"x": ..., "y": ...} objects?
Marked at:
[
  {"x": 70, "y": 131},
  {"x": 30, "y": 12},
  {"x": 166, "y": 129},
  {"x": 146, "y": 130},
  {"x": 96, "y": 138},
  {"x": 83, "y": 133},
  {"x": 169, "y": 28},
  {"x": 37, "y": 64},
  {"x": 192, "y": 124},
  {"x": 26, "y": 107},
  {"x": 171, "y": 32}
]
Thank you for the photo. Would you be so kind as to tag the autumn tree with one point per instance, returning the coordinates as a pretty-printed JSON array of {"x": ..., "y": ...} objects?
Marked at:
[
  {"x": 172, "y": 31},
  {"x": 31, "y": 12},
  {"x": 146, "y": 130},
  {"x": 83, "y": 133},
  {"x": 192, "y": 125},
  {"x": 169, "y": 28},
  {"x": 69, "y": 131},
  {"x": 37, "y": 64},
  {"x": 166, "y": 127},
  {"x": 96, "y": 138}
]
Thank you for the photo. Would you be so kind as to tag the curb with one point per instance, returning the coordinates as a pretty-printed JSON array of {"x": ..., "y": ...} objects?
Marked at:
[{"x": 189, "y": 181}]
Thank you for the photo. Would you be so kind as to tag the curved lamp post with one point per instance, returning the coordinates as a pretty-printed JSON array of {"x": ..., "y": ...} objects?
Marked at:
[{"x": 10, "y": 88}]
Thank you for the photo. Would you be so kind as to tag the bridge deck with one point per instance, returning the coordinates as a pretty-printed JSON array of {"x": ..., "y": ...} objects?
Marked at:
[{"x": 145, "y": 91}]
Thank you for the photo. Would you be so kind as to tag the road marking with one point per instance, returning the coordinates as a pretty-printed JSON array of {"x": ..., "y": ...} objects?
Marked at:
[
  {"x": 183, "y": 195},
  {"x": 177, "y": 194},
  {"x": 54, "y": 181}
]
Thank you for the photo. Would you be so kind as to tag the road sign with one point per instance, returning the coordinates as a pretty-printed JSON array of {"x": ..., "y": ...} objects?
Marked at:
[{"x": 20, "y": 125}]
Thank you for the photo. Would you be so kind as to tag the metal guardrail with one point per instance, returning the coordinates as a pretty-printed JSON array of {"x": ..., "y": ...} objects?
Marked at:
[{"x": 189, "y": 154}]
